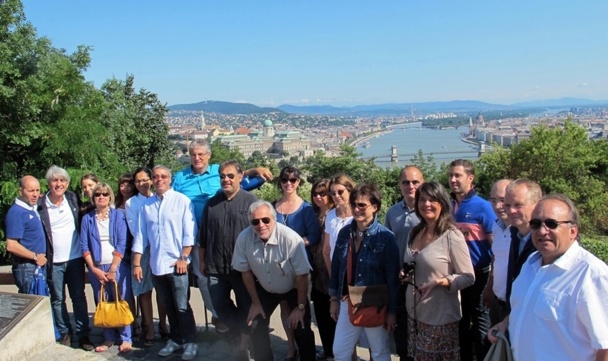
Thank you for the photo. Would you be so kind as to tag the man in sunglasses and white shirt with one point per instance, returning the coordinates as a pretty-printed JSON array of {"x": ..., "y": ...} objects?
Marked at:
[
  {"x": 224, "y": 218},
  {"x": 559, "y": 308},
  {"x": 275, "y": 267}
]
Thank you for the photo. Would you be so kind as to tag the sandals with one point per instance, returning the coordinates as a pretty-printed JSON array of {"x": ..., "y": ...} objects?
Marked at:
[
  {"x": 125, "y": 346},
  {"x": 104, "y": 346}
]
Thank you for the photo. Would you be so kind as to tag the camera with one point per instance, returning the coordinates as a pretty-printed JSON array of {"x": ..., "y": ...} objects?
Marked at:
[{"x": 409, "y": 268}]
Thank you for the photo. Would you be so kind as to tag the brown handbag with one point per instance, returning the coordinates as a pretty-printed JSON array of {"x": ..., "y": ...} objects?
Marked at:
[
  {"x": 112, "y": 314},
  {"x": 367, "y": 305}
]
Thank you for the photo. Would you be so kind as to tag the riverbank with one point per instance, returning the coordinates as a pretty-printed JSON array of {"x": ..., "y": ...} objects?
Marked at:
[{"x": 356, "y": 142}]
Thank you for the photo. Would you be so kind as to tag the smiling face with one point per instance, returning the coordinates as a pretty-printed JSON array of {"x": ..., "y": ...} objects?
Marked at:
[
  {"x": 199, "y": 158},
  {"x": 262, "y": 229},
  {"x": 230, "y": 180},
  {"x": 29, "y": 192},
  {"x": 320, "y": 196},
  {"x": 143, "y": 183},
  {"x": 553, "y": 243},
  {"x": 161, "y": 179},
  {"x": 102, "y": 198},
  {"x": 460, "y": 181},
  {"x": 58, "y": 186},
  {"x": 497, "y": 198},
  {"x": 87, "y": 186},
  {"x": 519, "y": 207},
  {"x": 429, "y": 208},
  {"x": 363, "y": 210},
  {"x": 126, "y": 189},
  {"x": 289, "y": 183},
  {"x": 340, "y": 194}
]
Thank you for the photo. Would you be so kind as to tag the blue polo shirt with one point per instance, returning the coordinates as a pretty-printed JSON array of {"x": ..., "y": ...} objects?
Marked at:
[
  {"x": 198, "y": 187},
  {"x": 475, "y": 217},
  {"x": 23, "y": 224}
]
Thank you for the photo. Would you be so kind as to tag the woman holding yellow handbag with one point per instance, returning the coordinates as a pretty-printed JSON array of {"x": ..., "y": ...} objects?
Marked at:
[{"x": 103, "y": 236}]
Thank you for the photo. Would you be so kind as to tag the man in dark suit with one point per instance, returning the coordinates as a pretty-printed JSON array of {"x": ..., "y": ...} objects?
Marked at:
[
  {"x": 59, "y": 213},
  {"x": 520, "y": 199}
]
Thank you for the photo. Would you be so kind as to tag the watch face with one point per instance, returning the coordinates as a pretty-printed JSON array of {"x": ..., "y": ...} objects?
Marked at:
[{"x": 301, "y": 306}]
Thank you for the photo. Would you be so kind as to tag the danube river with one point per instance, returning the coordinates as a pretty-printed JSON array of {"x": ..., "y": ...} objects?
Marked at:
[{"x": 445, "y": 145}]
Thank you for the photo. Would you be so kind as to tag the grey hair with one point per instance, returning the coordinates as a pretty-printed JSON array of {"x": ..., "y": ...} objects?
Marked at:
[
  {"x": 199, "y": 143},
  {"x": 163, "y": 167},
  {"x": 57, "y": 172},
  {"x": 574, "y": 214},
  {"x": 534, "y": 193},
  {"x": 253, "y": 207}
]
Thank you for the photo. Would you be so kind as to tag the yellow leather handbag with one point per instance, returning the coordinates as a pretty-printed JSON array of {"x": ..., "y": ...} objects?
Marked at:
[{"x": 112, "y": 314}]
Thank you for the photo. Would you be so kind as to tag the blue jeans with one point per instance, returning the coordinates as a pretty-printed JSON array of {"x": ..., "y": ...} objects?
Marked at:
[
  {"x": 23, "y": 274},
  {"x": 174, "y": 293},
  {"x": 233, "y": 316},
  {"x": 123, "y": 279},
  {"x": 70, "y": 273}
]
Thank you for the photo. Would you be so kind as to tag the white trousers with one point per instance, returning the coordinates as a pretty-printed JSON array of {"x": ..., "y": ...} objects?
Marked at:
[
  {"x": 347, "y": 336},
  {"x": 202, "y": 281}
]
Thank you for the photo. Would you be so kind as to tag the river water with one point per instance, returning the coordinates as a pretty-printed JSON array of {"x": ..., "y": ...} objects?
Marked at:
[{"x": 445, "y": 145}]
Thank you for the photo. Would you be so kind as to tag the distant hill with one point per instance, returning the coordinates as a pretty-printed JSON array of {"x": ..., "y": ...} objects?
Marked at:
[
  {"x": 562, "y": 102},
  {"x": 224, "y": 107},
  {"x": 398, "y": 108}
]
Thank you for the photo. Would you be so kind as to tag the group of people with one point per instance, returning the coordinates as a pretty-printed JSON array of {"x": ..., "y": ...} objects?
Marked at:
[{"x": 456, "y": 268}]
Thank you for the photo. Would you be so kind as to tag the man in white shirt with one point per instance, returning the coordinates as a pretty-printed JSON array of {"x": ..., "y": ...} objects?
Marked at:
[
  {"x": 560, "y": 298},
  {"x": 166, "y": 223},
  {"x": 59, "y": 213}
]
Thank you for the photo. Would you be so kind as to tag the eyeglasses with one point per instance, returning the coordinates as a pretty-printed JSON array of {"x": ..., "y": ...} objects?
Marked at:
[
  {"x": 290, "y": 180},
  {"x": 338, "y": 192},
  {"x": 536, "y": 223},
  {"x": 160, "y": 176},
  {"x": 142, "y": 181},
  {"x": 256, "y": 221},
  {"x": 99, "y": 194},
  {"x": 408, "y": 182},
  {"x": 361, "y": 206},
  {"x": 230, "y": 176},
  {"x": 319, "y": 194}
]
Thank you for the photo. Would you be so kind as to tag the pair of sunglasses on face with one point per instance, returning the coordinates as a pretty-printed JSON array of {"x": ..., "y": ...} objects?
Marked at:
[
  {"x": 290, "y": 180},
  {"x": 550, "y": 223},
  {"x": 256, "y": 221}
]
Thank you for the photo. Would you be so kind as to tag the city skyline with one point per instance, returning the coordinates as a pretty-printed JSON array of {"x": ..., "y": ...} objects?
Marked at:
[{"x": 338, "y": 53}]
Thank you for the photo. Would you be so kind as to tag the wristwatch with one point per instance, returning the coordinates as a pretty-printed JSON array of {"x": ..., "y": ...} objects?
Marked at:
[
  {"x": 183, "y": 258},
  {"x": 302, "y": 306}
]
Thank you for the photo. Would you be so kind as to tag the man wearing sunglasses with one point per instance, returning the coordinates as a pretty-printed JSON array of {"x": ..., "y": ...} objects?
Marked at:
[
  {"x": 400, "y": 219},
  {"x": 559, "y": 298},
  {"x": 275, "y": 267},
  {"x": 520, "y": 199},
  {"x": 224, "y": 217},
  {"x": 200, "y": 181}
]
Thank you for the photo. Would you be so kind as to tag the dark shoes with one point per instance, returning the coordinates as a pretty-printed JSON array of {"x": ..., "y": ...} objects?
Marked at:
[
  {"x": 65, "y": 340},
  {"x": 220, "y": 327},
  {"x": 86, "y": 344}
]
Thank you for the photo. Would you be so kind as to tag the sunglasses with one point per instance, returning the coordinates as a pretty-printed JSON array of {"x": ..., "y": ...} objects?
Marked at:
[
  {"x": 290, "y": 180},
  {"x": 256, "y": 221},
  {"x": 230, "y": 176},
  {"x": 99, "y": 194},
  {"x": 362, "y": 206},
  {"x": 338, "y": 192},
  {"x": 320, "y": 194},
  {"x": 536, "y": 223},
  {"x": 408, "y": 182}
]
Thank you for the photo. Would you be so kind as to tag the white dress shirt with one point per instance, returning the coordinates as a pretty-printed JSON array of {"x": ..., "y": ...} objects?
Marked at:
[{"x": 501, "y": 246}]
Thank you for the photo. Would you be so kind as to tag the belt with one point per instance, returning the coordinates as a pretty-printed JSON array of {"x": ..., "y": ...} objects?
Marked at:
[
  {"x": 500, "y": 302},
  {"x": 484, "y": 269}
]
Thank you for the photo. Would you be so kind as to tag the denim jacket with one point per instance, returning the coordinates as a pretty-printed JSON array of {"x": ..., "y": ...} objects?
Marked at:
[
  {"x": 377, "y": 263},
  {"x": 89, "y": 235}
]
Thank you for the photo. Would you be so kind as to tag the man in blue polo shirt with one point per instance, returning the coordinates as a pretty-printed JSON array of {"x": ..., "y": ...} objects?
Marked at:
[
  {"x": 24, "y": 234},
  {"x": 475, "y": 218},
  {"x": 199, "y": 182}
]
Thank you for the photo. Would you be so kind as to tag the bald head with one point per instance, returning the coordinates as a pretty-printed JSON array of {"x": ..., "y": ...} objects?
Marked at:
[
  {"x": 497, "y": 198},
  {"x": 411, "y": 178},
  {"x": 29, "y": 190}
]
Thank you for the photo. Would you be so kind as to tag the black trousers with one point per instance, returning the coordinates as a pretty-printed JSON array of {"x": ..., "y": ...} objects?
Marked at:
[
  {"x": 304, "y": 337},
  {"x": 326, "y": 324},
  {"x": 400, "y": 333},
  {"x": 475, "y": 320}
]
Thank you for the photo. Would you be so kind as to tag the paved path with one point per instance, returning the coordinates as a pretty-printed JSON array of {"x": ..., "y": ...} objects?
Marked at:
[{"x": 211, "y": 346}]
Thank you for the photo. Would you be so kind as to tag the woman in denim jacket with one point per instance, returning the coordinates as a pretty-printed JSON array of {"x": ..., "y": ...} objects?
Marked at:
[
  {"x": 103, "y": 237},
  {"x": 375, "y": 262}
]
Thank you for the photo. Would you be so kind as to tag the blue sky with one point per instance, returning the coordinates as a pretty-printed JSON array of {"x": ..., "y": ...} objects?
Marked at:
[{"x": 339, "y": 52}]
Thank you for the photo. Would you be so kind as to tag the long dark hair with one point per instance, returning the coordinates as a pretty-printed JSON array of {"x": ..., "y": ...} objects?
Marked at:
[
  {"x": 437, "y": 193},
  {"x": 125, "y": 178}
]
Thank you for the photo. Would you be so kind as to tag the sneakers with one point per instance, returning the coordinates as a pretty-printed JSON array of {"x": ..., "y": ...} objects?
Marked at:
[
  {"x": 190, "y": 351},
  {"x": 169, "y": 348},
  {"x": 65, "y": 340},
  {"x": 86, "y": 344}
]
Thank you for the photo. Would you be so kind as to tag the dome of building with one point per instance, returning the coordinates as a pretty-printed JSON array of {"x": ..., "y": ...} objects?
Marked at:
[{"x": 268, "y": 123}]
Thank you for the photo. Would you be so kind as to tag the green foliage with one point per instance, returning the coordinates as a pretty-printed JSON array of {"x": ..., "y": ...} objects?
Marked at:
[{"x": 597, "y": 247}]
